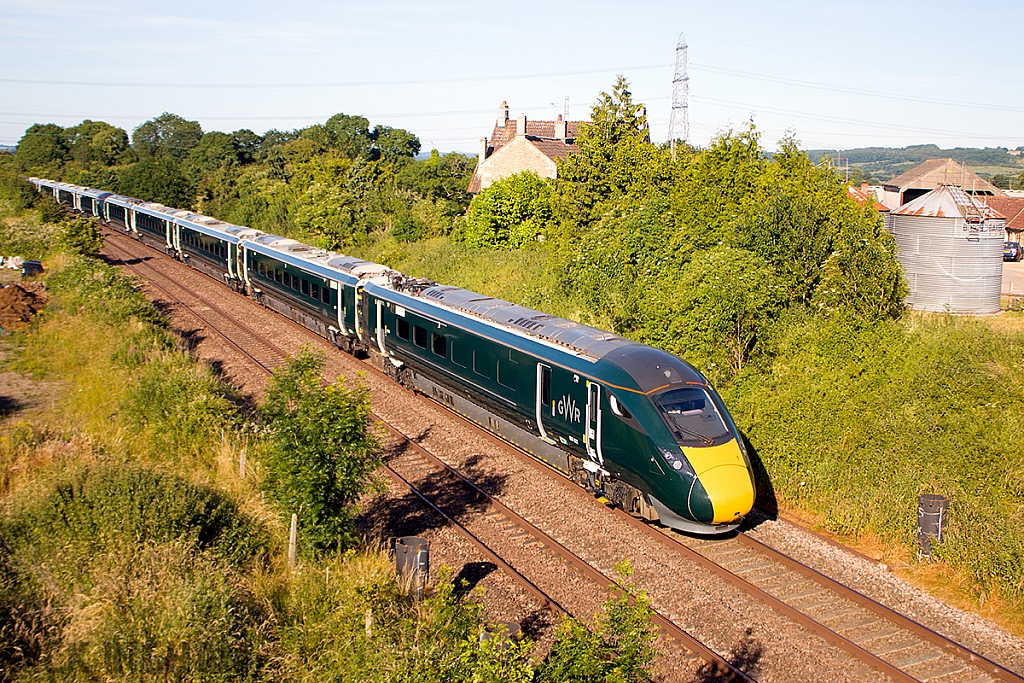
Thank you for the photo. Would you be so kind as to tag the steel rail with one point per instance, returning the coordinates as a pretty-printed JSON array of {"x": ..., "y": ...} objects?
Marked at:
[{"x": 679, "y": 634}]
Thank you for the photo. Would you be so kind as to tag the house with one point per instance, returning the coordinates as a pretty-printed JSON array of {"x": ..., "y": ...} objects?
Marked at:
[
  {"x": 522, "y": 145},
  {"x": 930, "y": 175},
  {"x": 1013, "y": 209}
]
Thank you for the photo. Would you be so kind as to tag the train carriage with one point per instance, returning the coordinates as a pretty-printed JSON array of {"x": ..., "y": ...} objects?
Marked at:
[
  {"x": 90, "y": 202},
  {"x": 213, "y": 247},
  {"x": 314, "y": 287},
  {"x": 620, "y": 418}
]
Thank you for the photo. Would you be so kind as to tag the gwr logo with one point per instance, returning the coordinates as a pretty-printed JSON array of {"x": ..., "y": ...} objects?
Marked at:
[{"x": 567, "y": 409}]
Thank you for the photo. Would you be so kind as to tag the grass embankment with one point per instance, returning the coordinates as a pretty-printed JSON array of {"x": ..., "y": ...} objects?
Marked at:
[
  {"x": 852, "y": 421},
  {"x": 131, "y": 547}
]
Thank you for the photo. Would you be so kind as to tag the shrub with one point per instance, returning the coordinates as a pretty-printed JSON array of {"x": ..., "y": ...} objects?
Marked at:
[{"x": 320, "y": 456}]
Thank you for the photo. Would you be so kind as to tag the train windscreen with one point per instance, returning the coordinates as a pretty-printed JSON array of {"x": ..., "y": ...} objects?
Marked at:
[{"x": 693, "y": 417}]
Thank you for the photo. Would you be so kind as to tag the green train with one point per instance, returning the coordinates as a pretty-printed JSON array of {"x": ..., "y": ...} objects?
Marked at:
[{"x": 628, "y": 422}]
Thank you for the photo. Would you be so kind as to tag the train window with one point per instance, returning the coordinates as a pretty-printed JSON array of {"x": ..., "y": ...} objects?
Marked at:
[
  {"x": 507, "y": 374},
  {"x": 295, "y": 282},
  {"x": 325, "y": 295},
  {"x": 618, "y": 408},
  {"x": 459, "y": 356},
  {"x": 482, "y": 365},
  {"x": 287, "y": 280},
  {"x": 277, "y": 274},
  {"x": 513, "y": 355},
  {"x": 403, "y": 329},
  {"x": 439, "y": 345},
  {"x": 545, "y": 382},
  {"x": 304, "y": 286},
  {"x": 314, "y": 291},
  {"x": 419, "y": 336}
]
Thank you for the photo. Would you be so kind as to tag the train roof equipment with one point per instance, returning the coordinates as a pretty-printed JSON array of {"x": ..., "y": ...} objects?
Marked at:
[{"x": 326, "y": 264}]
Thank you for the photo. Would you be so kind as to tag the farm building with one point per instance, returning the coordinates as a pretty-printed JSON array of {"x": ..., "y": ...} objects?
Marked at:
[{"x": 930, "y": 175}]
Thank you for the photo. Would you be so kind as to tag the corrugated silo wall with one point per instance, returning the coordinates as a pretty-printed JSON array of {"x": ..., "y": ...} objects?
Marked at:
[{"x": 947, "y": 268}]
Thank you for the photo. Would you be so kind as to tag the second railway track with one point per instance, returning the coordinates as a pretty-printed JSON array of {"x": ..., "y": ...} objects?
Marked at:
[{"x": 864, "y": 630}]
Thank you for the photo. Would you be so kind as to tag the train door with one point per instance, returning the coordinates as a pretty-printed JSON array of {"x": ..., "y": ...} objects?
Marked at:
[
  {"x": 543, "y": 399},
  {"x": 362, "y": 313},
  {"x": 593, "y": 433}
]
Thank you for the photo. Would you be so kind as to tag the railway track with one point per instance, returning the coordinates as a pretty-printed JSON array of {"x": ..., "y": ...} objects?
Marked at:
[
  {"x": 410, "y": 464},
  {"x": 864, "y": 629}
]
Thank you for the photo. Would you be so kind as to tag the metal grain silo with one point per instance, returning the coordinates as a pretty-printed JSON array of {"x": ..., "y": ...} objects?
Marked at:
[{"x": 950, "y": 245}]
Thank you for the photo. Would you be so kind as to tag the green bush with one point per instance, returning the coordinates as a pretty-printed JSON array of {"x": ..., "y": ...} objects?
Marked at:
[
  {"x": 320, "y": 455},
  {"x": 855, "y": 419},
  {"x": 90, "y": 286}
]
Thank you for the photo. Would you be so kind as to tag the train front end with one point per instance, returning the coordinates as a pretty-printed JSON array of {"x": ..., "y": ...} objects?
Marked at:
[
  {"x": 714, "y": 473},
  {"x": 688, "y": 452}
]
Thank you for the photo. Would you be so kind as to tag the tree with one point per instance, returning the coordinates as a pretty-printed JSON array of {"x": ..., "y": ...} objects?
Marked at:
[
  {"x": 510, "y": 213},
  {"x": 394, "y": 144},
  {"x": 615, "y": 158},
  {"x": 157, "y": 179},
  {"x": 718, "y": 308},
  {"x": 320, "y": 454},
  {"x": 167, "y": 135},
  {"x": 98, "y": 142},
  {"x": 42, "y": 149},
  {"x": 215, "y": 150},
  {"x": 327, "y": 213}
]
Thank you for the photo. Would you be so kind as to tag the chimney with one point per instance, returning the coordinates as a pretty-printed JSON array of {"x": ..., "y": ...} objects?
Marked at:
[
  {"x": 483, "y": 151},
  {"x": 503, "y": 114},
  {"x": 521, "y": 125},
  {"x": 559, "y": 128}
]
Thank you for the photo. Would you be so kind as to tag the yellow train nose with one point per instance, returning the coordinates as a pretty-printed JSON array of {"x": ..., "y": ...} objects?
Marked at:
[{"x": 722, "y": 472}]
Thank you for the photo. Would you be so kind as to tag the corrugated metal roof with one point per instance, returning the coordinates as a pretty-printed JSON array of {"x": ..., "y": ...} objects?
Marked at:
[
  {"x": 949, "y": 201},
  {"x": 936, "y": 172}
]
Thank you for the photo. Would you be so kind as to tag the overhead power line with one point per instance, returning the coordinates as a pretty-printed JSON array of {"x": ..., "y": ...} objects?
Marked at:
[
  {"x": 340, "y": 84},
  {"x": 853, "y": 91}
]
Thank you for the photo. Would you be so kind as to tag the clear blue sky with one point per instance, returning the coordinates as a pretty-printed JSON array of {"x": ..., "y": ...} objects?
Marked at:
[{"x": 837, "y": 75}]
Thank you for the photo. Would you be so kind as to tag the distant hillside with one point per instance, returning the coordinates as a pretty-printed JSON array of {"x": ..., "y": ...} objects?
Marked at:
[
  {"x": 8, "y": 149},
  {"x": 882, "y": 163}
]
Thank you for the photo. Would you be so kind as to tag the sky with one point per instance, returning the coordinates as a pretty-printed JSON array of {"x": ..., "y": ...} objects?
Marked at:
[{"x": 834, "y": 75}]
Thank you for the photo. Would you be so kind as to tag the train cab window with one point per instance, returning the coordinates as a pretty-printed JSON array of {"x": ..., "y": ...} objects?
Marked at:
[
  {"x": 439, "y": 345},
  {"x": 618, "y": 408},
  {"x": 419, "y": 336},
  {"x": 277, "y": 274},
  {"x": 482, "y": 365},
  {"x": 459, "y": 356},
  {"x": 545, "y": 384},
  {"x": 304, "y": 286},
  {"x": 403, "y": 329},
  {"x": 314, "y": 291}
]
